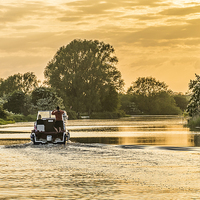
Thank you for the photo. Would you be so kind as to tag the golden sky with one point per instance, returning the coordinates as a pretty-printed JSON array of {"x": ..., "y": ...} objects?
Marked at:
[{"x": 158, "y": 38}]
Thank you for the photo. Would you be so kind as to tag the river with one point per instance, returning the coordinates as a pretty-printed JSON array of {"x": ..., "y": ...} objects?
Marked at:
[{"x": 141, "y": 157}]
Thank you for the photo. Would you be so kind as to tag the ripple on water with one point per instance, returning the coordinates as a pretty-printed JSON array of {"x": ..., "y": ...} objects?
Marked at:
[{"x": 96, "y": 171}]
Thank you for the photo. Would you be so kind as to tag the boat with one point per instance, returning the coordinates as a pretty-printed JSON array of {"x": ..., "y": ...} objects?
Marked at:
[{"x": 44, "y": 131}]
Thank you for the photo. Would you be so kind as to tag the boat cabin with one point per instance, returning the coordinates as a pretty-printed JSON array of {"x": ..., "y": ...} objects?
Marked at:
[
  {"x": 46, "y": 121},
  {"x": 44, "y": 129}
]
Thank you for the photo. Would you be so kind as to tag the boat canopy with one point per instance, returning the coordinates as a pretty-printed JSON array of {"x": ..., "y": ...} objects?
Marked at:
[{"x": 46, "y": 114}]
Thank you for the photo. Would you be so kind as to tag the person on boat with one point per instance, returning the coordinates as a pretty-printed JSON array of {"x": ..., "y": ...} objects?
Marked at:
[
  {"x": 40, "y": 121},
  {"x": 59, "y": 122}
]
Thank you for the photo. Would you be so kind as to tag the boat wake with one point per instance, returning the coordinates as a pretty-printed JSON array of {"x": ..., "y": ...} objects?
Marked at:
[{"x": 71, "y": 144}]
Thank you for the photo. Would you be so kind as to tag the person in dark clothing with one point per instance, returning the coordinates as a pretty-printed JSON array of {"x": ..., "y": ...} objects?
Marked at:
[
  {"x": 40, "y": 121},
  {"x": 59, "y": 121}
]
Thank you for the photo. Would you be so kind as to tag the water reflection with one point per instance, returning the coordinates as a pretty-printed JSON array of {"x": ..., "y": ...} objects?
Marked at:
[
  {"x": 163, "y": 140},
  {"x": 136, "y": 130}
]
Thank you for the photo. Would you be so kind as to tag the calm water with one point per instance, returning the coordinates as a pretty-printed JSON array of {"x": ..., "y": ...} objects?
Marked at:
[
  {"x": 136, "y": 130},
  {"x": 149, "y": 158}
]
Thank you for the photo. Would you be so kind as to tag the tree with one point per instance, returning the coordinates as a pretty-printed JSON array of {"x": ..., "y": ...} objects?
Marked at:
[
  {"x": 110, "y": 101},
  {"x": 181, "y": 101},
  {"x": 153, "y": 97},
  {"x": 128, "y": 104},
  {"x": 193, "y": 107},
  {"x": 44, "y": 98},
  {"x": 82, "y": 71},
  {"x": 147, "y": 86},
  {"x": 21, "y": 82},
  {"x": 16, "y": 102}
]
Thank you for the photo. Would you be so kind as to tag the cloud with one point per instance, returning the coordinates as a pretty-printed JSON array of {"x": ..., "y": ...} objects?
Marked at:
[
  {"x": 33, "y": 30},
  {"x": 14, "y": 64},
  {"x": 165, "y": 35},
  {"x": 181, "y": 11},
  {"x": 70, "y": 19},
  {"x": 24, "y": 27},
  {"x": 78, "y": 10},
  {"x": 25, "y": 42},
  {"x": 25, "y": 11},
  {"x": 117, "y": 3},
  {"x": 148, "y": 17},
  {"x": 197, "y": 64}
]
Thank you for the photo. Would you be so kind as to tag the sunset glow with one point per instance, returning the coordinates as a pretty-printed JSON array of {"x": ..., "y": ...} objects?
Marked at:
[{"x": 158, "y": 38}]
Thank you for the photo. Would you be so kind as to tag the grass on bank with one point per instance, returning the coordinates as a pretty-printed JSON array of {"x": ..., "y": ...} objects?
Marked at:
[
  {"x": 12, "y": 118},
  {"x": 4, "y": 122},
  {"x": 97, "y": 115},
  {"x": 22, "y": 118}
]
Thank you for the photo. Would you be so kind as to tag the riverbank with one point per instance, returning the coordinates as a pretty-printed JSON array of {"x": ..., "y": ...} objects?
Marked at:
[
  {"x": 13, "y": 118},
  {"x": 97, "y": 171},
  {"x": 4, "y": 122}
]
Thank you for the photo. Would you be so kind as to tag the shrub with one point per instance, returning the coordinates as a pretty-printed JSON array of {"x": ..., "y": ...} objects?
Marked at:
[
  {"x": 17, "y": 118},
  {"x": 71, "y": 114},
  {"x": 4, "y": 122},
  {"x": 3, "y": 113},
  {"x": 31, "y": 118},
  {"x": 194, "y": 122}
]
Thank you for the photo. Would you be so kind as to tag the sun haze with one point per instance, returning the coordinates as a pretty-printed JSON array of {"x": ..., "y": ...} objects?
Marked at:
[{"x": 158, "y": 38}]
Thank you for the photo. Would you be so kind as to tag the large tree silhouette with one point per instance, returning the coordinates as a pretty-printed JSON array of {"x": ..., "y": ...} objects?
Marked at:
[{"x": 83, "y": 72}]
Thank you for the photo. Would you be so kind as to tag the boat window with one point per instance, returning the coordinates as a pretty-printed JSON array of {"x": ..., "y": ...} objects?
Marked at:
[{"x": 45, "y": 114}]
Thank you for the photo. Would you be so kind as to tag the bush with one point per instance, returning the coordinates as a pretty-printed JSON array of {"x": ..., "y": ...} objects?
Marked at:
[
  {"x": 4, "y": 122},
  {"x": 31, "y": 118},
  {"x": 17, "y": 118},
  {"x": 3, "y": 113},
  {"x": 71, "y": 114},
  {"x": 194, "y": 122}
]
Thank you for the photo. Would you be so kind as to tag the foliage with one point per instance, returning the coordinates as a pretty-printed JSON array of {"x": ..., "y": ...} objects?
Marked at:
[
  {"x": 181, "y": 101},
  {"x": 128, "y": 105},
  {"x": 21, "y": 118},
  {"x": 153, "y": 97},
  {"x": 159, "y": 104},
  {"x": 71, "y": 115},
  {"x": 3, "y": 113},
  {"x": 21, "y": 82},
  {"x": 3, "y": 100},
  {"x": 82, "y": 73},
  {"x": 147, "y": 86},
  {"x": 193, "y": 107},
  {"x": 17, "y": 117},
  {"x": 110, "y": 100},
  {"x": 4, "y": 122},
  {"x": 194, "y": 122},
  {"x": 44, "y": 98},
  {"x": 16, "y": 102}
]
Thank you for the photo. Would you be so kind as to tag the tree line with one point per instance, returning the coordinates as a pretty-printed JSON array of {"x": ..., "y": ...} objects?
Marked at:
[{"x": 83, "y": 77}]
